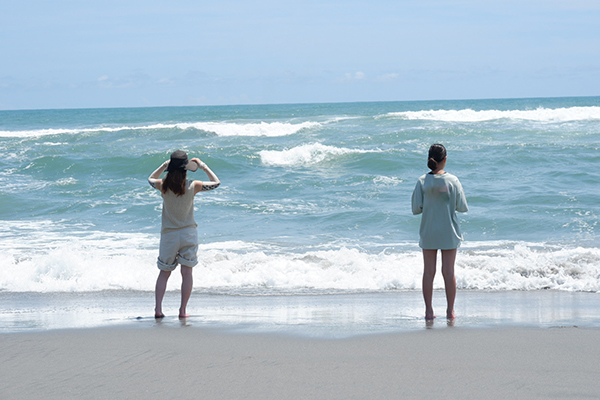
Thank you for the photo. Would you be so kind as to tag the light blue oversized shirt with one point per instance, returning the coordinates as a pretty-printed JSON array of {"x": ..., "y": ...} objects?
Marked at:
[{"x": 438, "y": 197}]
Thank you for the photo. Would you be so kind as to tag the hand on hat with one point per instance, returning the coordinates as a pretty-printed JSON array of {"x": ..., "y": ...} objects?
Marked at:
[{"x": 199, "y": 162}]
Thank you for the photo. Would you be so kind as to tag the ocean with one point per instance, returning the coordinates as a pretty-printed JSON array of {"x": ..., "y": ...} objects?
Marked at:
[{"x": 314, "y": 199}]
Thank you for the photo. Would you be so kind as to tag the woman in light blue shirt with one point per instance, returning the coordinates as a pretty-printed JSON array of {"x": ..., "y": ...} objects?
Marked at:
[{"x": 438, "y": 195}]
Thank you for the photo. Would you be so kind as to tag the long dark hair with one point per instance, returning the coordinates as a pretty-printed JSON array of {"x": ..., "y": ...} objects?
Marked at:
[
  {"x": 175, "y": 181},
  {"x": 437, "y": 153}
]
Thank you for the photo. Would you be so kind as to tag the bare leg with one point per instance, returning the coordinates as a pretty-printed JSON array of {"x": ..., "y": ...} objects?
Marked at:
[
  {"x": 186, "y": 289},
  {"x": 448, "y": 259},
  {"x": 161, "y": 287},
  {"x": 429, "y": 261}
]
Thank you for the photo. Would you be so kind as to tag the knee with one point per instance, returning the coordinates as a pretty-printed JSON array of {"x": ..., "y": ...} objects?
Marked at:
[
  {"x": 448, "y": 273},
  {"x": 429, "y": 273},
  {"x": 164, "y": 274}
]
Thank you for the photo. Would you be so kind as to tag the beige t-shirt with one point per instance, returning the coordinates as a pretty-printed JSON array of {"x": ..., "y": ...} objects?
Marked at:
[{"x": 178, "y": 211}]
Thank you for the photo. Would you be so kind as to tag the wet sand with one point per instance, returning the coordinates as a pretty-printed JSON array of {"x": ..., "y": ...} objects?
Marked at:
[
  {"x": 178, "y": 361},
  {"x": 324, "y": 315}
]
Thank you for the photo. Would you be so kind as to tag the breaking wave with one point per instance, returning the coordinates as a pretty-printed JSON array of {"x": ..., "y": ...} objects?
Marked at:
[
  {"x": 95, "y": 261},
  {"x": 268, "y": 129},
  {"x": 306, "y": 154},
  {"x": 468, "y": 115}
]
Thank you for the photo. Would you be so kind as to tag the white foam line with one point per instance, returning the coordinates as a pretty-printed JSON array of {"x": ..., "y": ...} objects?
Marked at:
[
  {"x": 468, "y": 115},
  {"x": 306, "y": 154},
  {"x": 270, "y": 129}
]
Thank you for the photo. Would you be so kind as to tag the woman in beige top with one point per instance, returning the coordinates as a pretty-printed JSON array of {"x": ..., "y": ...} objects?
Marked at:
[
  {"x": 178, "y": 235},
  {"x": 438, "y": 195}
]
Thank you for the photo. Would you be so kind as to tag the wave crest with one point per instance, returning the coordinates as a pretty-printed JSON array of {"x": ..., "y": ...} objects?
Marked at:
[
  {"x": 306, "y": 154},
  {"x": 102, "y": 261},
  {"x": 268, "y": 129},
  {"x": 468, "y": 115}
]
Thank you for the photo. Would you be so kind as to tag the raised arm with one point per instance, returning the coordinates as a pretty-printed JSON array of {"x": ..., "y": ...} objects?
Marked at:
[
  {"x": 154, "y": 178},
  {"x": 200, "y": 186}
]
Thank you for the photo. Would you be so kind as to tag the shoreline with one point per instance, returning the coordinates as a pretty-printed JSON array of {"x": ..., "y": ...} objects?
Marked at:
[
  {"x": 312, "y": 315},
  {"x": 151, "y": 363}
]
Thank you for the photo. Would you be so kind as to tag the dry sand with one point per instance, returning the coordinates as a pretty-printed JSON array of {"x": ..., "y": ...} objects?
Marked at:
[{"x": 199, "y": 363}]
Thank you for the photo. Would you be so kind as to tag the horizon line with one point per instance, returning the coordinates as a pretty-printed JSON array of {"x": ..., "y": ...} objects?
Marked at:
[{"x": 299, "y": 103}]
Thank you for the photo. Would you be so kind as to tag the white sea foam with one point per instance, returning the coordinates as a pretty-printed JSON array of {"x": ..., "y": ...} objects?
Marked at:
[
  {"x": 268, "y": 129},
  {"x": 66, "y": 181},
  {"x": 271, "y": 129},
  {"x": 42, "y": 259},
  {"x": 306, "y": 154},
  {"x": 522, "y": 267},
  {"x": 387, "y": 180},
  {"x": 467, "y": 115},
  {"x": 92, "y": 261}
]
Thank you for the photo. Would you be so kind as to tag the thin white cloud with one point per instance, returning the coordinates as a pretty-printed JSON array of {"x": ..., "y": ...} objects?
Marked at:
[
  {"x": 387, "y": 77},
  {"x": 165, "y": 81},
  {"x": 356, "y": 76}
]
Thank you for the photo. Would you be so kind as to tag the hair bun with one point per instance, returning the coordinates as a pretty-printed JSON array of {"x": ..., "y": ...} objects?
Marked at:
[
  {"x": 432, "y": 164},
  {"x": 437, "y": 154}
]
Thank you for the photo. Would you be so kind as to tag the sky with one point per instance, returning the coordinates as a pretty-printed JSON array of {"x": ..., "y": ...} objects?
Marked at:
[{"x": 135, "y": 53}]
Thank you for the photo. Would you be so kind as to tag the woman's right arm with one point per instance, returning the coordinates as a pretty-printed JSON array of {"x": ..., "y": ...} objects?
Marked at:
[
  {"x": 154, "y": 178},
  {"x": 417, "y": 199}
]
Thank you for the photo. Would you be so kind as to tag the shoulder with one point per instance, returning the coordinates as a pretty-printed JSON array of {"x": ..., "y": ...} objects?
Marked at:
[
  {"x": 451, "y": 178},
  {"x": 190, "y": 186}
]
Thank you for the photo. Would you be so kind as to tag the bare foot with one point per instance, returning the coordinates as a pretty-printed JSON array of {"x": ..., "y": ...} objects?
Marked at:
[
  {"x": 450, "y": 314},
  {"x": 184, "y": 316},
  {"x": 430, "y": 316},
  {"x": 159, "y": 316}
]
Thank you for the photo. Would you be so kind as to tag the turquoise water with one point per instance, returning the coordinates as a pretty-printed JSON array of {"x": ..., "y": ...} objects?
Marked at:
[{"x": 315, "y": 198}]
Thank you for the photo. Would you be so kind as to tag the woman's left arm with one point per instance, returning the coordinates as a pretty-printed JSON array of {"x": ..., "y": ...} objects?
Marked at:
[
  {"x": 200, "y": 186},
  {"x": 461, "y": 199}
]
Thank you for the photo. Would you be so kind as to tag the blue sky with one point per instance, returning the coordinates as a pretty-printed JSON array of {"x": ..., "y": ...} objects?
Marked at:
[{"x": 79, "y": 54}]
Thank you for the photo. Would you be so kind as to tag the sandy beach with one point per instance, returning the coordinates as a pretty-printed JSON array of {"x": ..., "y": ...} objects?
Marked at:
[
  {"x": 539, "y": 344},
  {"x": 191, "y": 363}
]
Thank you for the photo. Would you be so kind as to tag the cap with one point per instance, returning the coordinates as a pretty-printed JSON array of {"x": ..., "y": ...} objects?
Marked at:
[{"x": 179, "y": 160}]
